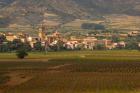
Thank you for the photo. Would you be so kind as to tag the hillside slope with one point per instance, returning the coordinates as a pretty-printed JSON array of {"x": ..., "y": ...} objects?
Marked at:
[{"x": 30, "y": 12}]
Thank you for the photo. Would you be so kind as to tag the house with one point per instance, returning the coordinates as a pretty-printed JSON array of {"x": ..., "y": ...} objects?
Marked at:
[
  {"x": 89, "y": 42},
  {"x": 139, "y": 45},
  {"x": 55, "y": 36},
  {"x": 134, "y": 33},
  {"x": 105, "y": 42},
  {"x": 71, "y": 44},
  {"x": 121, "y": 44},
  {"x": 23, "y": 37},
  {"x": 32, "y": 40},
  {"x": 11, "y": 37},
  {"x": 50, "y": 38}
]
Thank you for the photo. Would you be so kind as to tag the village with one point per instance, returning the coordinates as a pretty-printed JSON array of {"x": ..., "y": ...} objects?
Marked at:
[{"x": 57, "y": 41}]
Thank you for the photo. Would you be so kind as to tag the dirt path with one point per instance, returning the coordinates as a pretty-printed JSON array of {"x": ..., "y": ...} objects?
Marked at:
[
  {"x": 59, "y": 66},
  {"x": 17, "y": 79}
]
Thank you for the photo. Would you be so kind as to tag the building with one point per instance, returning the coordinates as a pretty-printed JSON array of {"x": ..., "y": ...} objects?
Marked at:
[
  {"x": 72, "y": 44},
  {"x": 89, "y": 42},
  {"x": 32, "y": 41},
  {"x": 55, "y": 36},
  {"x": 121, "y": 44},
  {"x": 139, "y": 45},
  {"x": 134, "y": 33},
  {"x": 42, "y": 34},
  {"x": 92, "y": 42},
  {"x": 23, "y": 37},
  {"x": 107, "y": 43},
  {"x": 11, "y": 37}
]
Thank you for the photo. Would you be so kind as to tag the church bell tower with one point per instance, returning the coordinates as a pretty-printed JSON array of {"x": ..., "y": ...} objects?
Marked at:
[{"x": 42, "y": 34}]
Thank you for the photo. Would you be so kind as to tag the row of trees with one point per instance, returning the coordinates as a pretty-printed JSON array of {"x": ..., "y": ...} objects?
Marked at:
[
  {"x": 132, "y": 42},
  {"x": 8, "y": 46},
  {"x": 13, "y": 46},
  {"x": 92, "y": 26}
]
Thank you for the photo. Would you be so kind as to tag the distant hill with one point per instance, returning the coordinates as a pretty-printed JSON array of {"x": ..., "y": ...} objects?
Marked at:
[
  {"x": 131, "y": 7},
  {"x": 30, "y": 12}
]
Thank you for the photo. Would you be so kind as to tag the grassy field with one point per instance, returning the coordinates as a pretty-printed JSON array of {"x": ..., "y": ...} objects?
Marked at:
[{"x": 71, "y": 72}]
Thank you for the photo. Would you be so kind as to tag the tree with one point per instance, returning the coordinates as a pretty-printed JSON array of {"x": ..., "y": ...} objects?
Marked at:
[
  {"x": 27, "y": 46},
  {"x": 2, "y": 38},
  {"x": 60, "y": 45},
  {"x": 93, "y": 26},
  {"x": 100, "y": 46},
  {"x": 4, "y": 48},
  {"x": 16, "y": 44},
  {"x": 38, "y": 46},
  {"x": 115, "y": 38},
  {"x": 21, "y": 54},
  {"x": 132, "y": 43}
]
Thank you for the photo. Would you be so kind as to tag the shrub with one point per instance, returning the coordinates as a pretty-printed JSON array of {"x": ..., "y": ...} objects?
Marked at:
[{"x": 21, "y": 54}]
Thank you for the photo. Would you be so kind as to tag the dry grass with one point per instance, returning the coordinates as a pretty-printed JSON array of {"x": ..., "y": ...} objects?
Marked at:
[{"x": 123, "y": 22}]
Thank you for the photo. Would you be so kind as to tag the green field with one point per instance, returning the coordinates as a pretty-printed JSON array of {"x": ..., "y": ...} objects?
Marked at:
[{"x": 71, "y": 72}]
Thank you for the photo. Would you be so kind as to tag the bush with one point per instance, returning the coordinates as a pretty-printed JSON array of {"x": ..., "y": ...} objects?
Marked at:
[
  {"x": 100, "y": 47},
  {"x": 21, "y": 54}
]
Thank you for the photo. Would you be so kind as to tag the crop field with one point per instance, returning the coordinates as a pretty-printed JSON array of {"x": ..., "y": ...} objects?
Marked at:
[
  {"x": 71, "y": 72},
  {"x": 118, "y": 22},
  {"x": 123, "y": 22}
]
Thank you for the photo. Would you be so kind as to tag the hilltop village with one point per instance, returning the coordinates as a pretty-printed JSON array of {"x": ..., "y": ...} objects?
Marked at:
[{"x": 57, "y": 41}]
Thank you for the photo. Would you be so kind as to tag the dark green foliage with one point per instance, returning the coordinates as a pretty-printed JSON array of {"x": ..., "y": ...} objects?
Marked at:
[
  {"x": 38, "y": 46},
  {"x": 21, "y": 54},
  {"x": 8, "y": 46},
  {"x": 92, "y": 26},
  {"x": 99, "y": 47},
  {"x": 4, "y": 48},
  {"x": 116, "y": 39},
  {"x": 27, "y": 47},
  {"x": 2, "y": 38},
  {"x": 132, "y": 43}
]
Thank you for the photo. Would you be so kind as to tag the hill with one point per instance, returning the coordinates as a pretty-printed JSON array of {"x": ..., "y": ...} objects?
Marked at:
[{"x": 32, "y": 12}]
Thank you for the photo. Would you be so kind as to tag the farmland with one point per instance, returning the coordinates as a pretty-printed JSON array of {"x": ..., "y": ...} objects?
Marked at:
[{"x": 71, "y": 72}]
